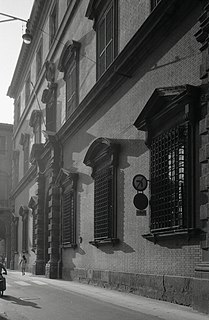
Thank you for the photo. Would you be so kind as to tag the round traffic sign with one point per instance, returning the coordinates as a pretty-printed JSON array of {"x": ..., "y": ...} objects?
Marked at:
[
  {"x": 140, "y": 201},
  {"x": 140, "y": 182}
]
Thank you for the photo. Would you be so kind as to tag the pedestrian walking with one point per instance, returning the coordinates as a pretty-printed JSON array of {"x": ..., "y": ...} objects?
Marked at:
[{"x": 23, "y": 263}]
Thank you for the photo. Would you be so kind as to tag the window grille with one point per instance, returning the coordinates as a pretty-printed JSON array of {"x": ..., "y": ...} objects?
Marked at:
[
  {"x": 68, "y": 222},
  {"x": 169, "y": 168},
  {"x": 103, "y": 218}
]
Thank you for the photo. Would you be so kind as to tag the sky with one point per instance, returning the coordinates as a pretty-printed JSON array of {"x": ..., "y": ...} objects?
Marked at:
[{"x": 11, "y": 42}]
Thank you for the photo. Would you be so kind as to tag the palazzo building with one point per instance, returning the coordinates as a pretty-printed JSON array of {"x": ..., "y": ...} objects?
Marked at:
[{"x": 110, "y": 165}]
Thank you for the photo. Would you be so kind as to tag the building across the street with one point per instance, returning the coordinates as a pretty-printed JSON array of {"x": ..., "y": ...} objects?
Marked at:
[
  {"x": 111, "y": 146},
  {"x": 6, "y": 131}
]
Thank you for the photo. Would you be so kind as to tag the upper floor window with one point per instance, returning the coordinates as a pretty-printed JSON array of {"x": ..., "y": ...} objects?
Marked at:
[
  {"x": 39, "y": 58},
  {"x": 35, "y": 123},
  {"x": 15, "y": 175},
  {"x": 27, "y": 88},
  {"x": 53, "y": 23},
  {"x": 49, "y": 96},
  {"x": 17, "y": 112},
  {"x": 102, "y": 158},
  {"x": 2, "y": 145},
  {"x": 25, "y": 142},
  {"x": 172, "y": 157},
  {"x": 105, "y": 15},
  {"x": 69, "y": 64},
  {"x": 154, "y": 3}
]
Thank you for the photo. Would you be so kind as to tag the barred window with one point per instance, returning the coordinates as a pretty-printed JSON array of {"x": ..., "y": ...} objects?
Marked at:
[
  {"x": 102, "y": 157},
  {"x": 168, "y": 184},
  {"x": 169, "y": 119}
]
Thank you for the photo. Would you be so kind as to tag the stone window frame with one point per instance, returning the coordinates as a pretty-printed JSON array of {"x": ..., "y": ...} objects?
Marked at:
[
  {"x": 39, "y": 58},
  {"x": 53, "y": 23},
  {"x": 16, "y": 160},
  {"x": 27, "y": 88},
  {"x": 171, "y": 107},
  {"x": 35, "y": 123},
  {"x": 69, "y": 64},
  {"x": 67, "y": 182},
  {"x": 102, "y": 157},
  {"x": 97, "y": 11},
  {"x": 24, "y": 213},
  {"x": 25, "y": 142},
  {"x": 33, "y": 203}
]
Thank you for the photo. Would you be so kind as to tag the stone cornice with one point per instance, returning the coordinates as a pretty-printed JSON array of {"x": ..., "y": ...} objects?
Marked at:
[{"x": 154, "y": 30}]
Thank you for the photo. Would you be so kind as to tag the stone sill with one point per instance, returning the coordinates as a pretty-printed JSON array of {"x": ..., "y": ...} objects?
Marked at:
[
  {"x": 97, "y": 243},
  {"x": 177, "y": 233},
  {"x": 69, "y": 245}
]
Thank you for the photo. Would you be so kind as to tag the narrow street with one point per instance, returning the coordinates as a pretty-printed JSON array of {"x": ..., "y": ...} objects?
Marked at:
[{"x": 34, "y": 298}]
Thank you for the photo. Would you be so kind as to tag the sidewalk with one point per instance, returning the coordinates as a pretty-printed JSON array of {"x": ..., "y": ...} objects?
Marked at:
[{"x": 163, "y": 310}]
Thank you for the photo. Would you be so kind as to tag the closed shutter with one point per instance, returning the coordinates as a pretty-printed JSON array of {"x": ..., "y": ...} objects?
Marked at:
[
  {"x": 68, "y": 221},
  {"x": 103, "y": 215}
]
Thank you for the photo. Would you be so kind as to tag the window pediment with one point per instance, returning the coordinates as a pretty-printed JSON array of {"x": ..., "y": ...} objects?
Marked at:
[
  {"x": 23, "y": 211},
  {"x": 170, "y": 100},
  {"x": 68, "y": 53},
  {"x": 93, "y": 8},
  {"x": 100, "y": 149},
  {"x": 66, "y": 178},
  {"x": 34, "y": 118}
]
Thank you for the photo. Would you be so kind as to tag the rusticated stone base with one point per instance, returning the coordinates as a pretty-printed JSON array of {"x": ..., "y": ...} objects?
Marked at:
[{"x": 181, "y": 290}]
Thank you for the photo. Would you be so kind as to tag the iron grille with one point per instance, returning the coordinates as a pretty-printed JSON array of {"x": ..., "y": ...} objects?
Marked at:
[
  {"x": 68, "y": 221},
  {"x": 103, "y": 214},
  {"x": 169, "y": 167}
]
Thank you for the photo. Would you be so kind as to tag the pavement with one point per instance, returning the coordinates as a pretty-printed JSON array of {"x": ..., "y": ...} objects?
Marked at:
[{"x": 161, "y": 309}]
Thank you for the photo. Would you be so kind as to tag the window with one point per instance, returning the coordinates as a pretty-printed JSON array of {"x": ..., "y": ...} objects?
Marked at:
[
  {"x": 17, "y": 112},
  {"x": 2, "y": 145},
  {"x": 67, "y": 182},
  {"x": 39, "y": 59},
  {"x": 53, "y": 23},
  {"x": 106, "y": 24},
  {"x": 49, "y": 96},
  {"x": 33, "y": 206},
  {"x": 169, "y": 165},
  {"x": 172, "y": 157},
  {"x": 23, "y": 212},
  {"x": 69, "y": 64},
  {"x": 15, "y": 223},
  {"x": 102, "y": 157},
  {"x": 35, "y": 123},
  {"x": 16, "y": 155},
  {"x": 25, "y": 142},
  {"x": 154, "y": 3},
  {"x": 27, "y": 88}
]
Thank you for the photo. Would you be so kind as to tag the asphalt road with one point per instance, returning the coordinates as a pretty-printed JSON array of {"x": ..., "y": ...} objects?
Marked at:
[{"x": 35, "y": 298}]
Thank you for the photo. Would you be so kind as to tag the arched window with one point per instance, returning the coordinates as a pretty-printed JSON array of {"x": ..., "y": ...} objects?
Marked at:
[{"x": 102, "y": 157}]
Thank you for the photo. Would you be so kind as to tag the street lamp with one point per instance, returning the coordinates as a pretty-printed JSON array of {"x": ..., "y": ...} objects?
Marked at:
[{"x": 27, "y": 37}]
